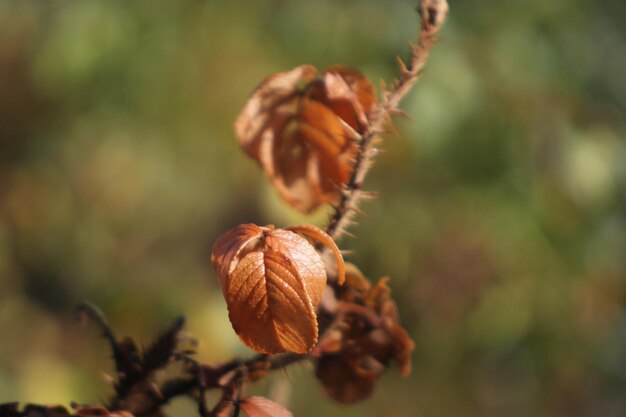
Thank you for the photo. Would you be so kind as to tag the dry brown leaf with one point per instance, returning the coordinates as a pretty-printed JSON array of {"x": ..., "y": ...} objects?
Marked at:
[
  {"x": 355, "y": 280},
  {"x": 349, "y": 94},
  {"x": 258, "y": 114},
  {"x": 272, "y": 280},
  {"x": 351, "y": 362},
  {"x": 263, "y": 407},
  {"x": 303, "y": 131},
  {"x": 319, "y": 236},
  {"x": 266, "y": 292},
  {"x": 379, "y": 297},
  {"x": 341, "y": 382}
]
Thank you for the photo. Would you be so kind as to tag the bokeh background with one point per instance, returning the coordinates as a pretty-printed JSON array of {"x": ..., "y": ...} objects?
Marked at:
[{"x": 501, "y": 215}]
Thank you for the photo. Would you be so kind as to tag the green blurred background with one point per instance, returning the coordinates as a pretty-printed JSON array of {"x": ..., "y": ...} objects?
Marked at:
[{"x": 501, "y": 218}]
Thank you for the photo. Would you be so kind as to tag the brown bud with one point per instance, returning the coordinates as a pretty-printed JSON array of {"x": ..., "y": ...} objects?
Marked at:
[
  {"x": 272, "y": 280},
  {"x": 433, "y": 14}
]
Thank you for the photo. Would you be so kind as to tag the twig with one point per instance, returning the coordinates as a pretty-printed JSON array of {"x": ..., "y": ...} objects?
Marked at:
[
  {"x": 124, "y": 353},
  {"x": 433, "y": 14},
  {"x": 93, "y": 313},
  {"x": 206, "y": 378}
]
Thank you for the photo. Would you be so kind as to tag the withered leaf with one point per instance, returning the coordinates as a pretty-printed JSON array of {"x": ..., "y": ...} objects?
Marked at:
[
  {"x": 272, "y": 280},
  {"x": 317, "y": 235},
  {"x": 341, "y": 382},
  {"x": 257, "y": 115},
  {"x": 349, "y": 94},
  {"x": 263, "y": 407},
  {"x": 303, "y": 130},
  {"x": 355, "y": 280},
  {"x": 371, "y": 337},
  {"x": 379, "y": 297},
  {"x": 266, "y": 292}
]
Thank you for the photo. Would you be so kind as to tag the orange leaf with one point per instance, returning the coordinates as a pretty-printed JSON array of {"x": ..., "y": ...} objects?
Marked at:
[
  {"x": 262, "y": 407},
  {"x": 228, "y": 246},
  {"x": 309, "y": 262},
  {"x": 272, "y": 280},
  {"x": 321, "y": 128},
  {"x": 359, "y": 85},
  {"x": 305, "y": 137},
  {"x": 350, "y": 95},
  {"x": 268, "y": 304},
  {"x": 257, "y": 114},
  {"x": 322, "y": 237}
]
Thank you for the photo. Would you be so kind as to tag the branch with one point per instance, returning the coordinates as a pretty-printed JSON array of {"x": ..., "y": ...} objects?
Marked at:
[
  {"x": 136, "y": 391},
  {"x": 433, "y": 14},
  {"x": 225, "y": 376},
  {"x": 230, "y": 376}
]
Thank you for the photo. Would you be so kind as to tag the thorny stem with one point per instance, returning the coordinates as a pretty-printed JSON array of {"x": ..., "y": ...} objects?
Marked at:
[
  {"x": 184, "y": 386},
  {"x": 433, "y": 14}
]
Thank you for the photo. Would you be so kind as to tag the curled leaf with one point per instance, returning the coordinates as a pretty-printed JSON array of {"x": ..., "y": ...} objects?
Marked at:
[
  {"x": 303, "y": 130},
  {"x": 268, "y": 99},
  {"x": 256, "y": 406},
  {"x": 393, "y": 334},
  {"x": 351, "y": 362},
  {"x": 341, "y": 381},
  {"x": 272, "y": 280}
]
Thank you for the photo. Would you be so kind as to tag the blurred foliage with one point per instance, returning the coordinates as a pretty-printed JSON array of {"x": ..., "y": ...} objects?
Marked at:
[{"x": 501, "y": 218}]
